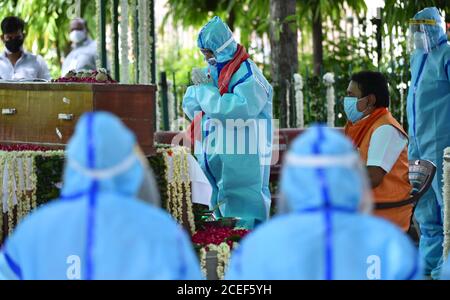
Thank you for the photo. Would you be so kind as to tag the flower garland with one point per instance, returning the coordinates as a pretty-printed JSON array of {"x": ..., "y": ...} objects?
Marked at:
[
  {"x": 219, "y": 240},
  {"x": 329, "y": 81},
  {"x": 179, "y": 196},
  {"x": 77, "y": 8},
  {"x": 169, "y": 202},
  {"x": 99, "y": 30},
  {"x": 223, "y": 257},
  {"x": 124, "y": 20},
  {"x": 298, "y": 87},
  {"x": 187, "y": 187},
  {"x": 446, "y": 192},
  {"x": 22, "y": 147},
  {"x": 144, "y": 42},
  {"x": 33, "y": 179},
  {"x": 11, "y": 195},
  {"x": 177, "y": 187},
  {"x": 18, "y": 188},
  {"x": 113, "y": 40},
  {"x": 202, "y": 254},
  {"x": 28, "y": 186},
  {"x": 288, "y": 104},
  {"x": 170, "y": 101},
  {"x": 223, "y": 254},
  {"x": 19, "y": 184},
  {"x": 134, "y": 39}
]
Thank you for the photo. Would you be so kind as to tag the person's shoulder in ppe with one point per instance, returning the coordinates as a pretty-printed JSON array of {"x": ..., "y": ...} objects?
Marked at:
[
  {"x": 394, "y": 247},
  {"x": 249, "y": 71},
  {"x": 445, "y": 273},
  {"x": 297, "y": 238},
  {"x": 446, "y": 59},
  {"x": 31, "y": 233},
  {"x": 61, "y": 221}
]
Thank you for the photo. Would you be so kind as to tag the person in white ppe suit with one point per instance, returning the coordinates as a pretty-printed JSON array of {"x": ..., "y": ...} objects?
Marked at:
[
  {"x": 106, "y": 224},
  {"x": 323, "y": 229}
]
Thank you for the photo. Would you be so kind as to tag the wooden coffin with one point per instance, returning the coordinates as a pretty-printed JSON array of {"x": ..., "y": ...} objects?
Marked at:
[{"x": 46, "y": 113}]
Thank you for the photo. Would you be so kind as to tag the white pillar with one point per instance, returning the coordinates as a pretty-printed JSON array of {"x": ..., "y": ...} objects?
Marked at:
[
  {"x": 298, "y": 81},
  {"x": 328, "y": 79},
  {"x": 124, "y": 47}
]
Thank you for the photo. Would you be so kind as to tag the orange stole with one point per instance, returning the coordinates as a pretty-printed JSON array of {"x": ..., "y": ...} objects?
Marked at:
[{"x": 395, "y": 185}]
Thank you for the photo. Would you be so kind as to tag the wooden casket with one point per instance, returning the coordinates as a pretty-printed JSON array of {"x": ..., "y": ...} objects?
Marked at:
[{"x": 46, "y": 113}]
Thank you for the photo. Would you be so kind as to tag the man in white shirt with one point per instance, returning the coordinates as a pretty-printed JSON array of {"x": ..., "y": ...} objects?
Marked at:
[
  {"x": 84, "y": 50},
  {"x": 15, "y": 63},
  {"x": 382, "y": 143}
]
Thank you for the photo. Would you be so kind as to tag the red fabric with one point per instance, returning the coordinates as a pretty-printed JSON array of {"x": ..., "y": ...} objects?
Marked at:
[
  {"x": 358, "y": 131},
  {"x": 194, "y": 131},
  {"x": 231, "y": 67}
]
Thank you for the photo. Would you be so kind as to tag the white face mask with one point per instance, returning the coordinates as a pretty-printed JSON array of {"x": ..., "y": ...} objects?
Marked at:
[{"x": 77, "y": 36}]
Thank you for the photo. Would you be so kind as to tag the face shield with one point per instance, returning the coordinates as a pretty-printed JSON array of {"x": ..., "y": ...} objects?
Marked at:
[
  {"x": 148, "y": 190},
  {"x": 419, "y": 35},
  {"x": 341, "y": 163}
]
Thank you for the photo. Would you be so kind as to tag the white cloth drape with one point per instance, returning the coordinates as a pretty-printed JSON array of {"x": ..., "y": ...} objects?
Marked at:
[{"x": 201, "y": 188}]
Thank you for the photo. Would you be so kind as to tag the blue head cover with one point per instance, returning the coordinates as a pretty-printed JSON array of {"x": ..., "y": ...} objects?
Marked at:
[
  {"x": 118, "y": 166},
  {"x": 217, "y": 37},
  {"x": 324, "y": 175},
  {"x": 435, "y": 33}
]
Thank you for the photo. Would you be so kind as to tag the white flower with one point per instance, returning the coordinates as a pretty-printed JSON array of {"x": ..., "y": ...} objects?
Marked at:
[
  {"x": 124, "y": 19},
  {"x": 298, "y": 81},
  {"x": 328, "y": 79},
  {"x": 298, "y": 87},
  {"x": 178, "y": 185},
  {"x": 19, "y": 174}
]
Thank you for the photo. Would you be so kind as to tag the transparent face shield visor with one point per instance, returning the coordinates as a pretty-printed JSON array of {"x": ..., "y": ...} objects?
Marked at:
[
  {"x": 148, "y": 190},
  {"x": 418, "y": 38},
  {"x": 349, "y": 162}
]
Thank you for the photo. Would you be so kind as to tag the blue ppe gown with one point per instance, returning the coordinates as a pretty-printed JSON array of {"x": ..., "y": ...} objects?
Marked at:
[
  {"x": 99, "y": 229},
  {"x": 428, "y": 110},
  {"x": 236, "y": 159},
  {"x": 445, "y": 273},
  {"x": 323, "y": 234}
]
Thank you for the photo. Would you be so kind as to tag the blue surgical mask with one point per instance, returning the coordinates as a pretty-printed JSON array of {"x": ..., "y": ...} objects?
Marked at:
[{"x": 351, "y": 110}]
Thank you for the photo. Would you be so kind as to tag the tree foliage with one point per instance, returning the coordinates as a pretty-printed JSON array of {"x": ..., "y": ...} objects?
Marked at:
[
  {"x": 47, "y": 25},
  {"x": 398, "y": 12}
]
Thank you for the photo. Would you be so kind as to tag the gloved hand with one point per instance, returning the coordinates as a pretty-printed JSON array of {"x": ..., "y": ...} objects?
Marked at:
[{"x": 198, "y": 76}]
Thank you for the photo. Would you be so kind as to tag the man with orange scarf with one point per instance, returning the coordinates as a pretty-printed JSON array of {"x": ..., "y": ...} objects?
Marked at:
[
  {"x": 231, "y": 108},
  {"x": 382, "y": 144}
]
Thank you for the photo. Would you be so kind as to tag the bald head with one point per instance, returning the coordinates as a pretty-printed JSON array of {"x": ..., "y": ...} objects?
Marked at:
[{"x": 78, "y": 24}]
